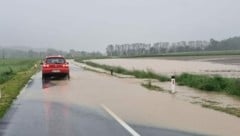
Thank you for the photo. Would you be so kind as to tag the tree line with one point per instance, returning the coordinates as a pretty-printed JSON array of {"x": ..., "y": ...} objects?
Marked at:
[
  {"x": 134, "y": 49},
  {"x": 138, "y": 49},
  {"x": 10, "y": 52},
  {"x": 227, "y": 44},
  {"x": 6, "y": 52}
]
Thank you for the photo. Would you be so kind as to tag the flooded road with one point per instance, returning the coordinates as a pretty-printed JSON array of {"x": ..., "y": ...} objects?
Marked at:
[{"x": 75, "y": 107}]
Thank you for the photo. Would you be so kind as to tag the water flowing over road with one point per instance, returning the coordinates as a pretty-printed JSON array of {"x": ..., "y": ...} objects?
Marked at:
[{"x": 91, "y": 104}]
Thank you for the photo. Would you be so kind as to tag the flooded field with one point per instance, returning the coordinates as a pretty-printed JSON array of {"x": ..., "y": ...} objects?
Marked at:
[{"x": 227, "y": 66}]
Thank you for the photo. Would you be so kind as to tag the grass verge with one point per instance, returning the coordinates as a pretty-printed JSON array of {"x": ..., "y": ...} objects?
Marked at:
[
  {"x": 9, "y": 67},
  {"x": 210, "y": 83},
  {"x": 11, "y": 87}
]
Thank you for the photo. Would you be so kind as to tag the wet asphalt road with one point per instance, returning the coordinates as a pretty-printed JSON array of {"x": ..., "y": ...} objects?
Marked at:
[{"x": 54, "y": 109}]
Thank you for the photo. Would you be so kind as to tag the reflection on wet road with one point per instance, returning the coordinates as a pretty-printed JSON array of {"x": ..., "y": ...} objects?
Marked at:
[
  {"x": 73, "y": 108},
  {"x": 35, "y": 114}
]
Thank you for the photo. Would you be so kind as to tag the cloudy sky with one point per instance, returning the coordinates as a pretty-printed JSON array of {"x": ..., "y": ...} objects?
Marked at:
[{"x": 91, "y": 25}]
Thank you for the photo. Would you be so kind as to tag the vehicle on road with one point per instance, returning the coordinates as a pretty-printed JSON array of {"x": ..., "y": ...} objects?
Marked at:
[{"x": 55, "y": 67}]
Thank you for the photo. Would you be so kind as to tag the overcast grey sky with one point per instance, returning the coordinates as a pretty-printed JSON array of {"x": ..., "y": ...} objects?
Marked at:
[{"x": 91, "y": 25}]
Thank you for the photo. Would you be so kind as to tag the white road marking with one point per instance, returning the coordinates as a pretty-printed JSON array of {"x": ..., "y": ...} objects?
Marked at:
[{"x": 120, "y": 121}]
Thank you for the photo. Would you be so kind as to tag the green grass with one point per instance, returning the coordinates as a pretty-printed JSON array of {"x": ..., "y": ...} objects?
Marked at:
[
  {"x": 210, "y": 83},
  {"x": 137, "y": 73},
  {"x": 9, "y": 67},
  {"x": 16, "y": 73}
]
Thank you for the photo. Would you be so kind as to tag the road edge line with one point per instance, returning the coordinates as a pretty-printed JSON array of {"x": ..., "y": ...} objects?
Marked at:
[{"x": 120, "y": 121}]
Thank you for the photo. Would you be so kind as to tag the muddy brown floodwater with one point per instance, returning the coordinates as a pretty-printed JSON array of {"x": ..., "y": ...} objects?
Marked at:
[
  {"x": 138, "y": 105},
  {"x": 224, "y": 66}
]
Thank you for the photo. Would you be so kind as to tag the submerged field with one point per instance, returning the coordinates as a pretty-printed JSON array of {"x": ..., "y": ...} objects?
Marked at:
[{"x": 227, "y": 66}]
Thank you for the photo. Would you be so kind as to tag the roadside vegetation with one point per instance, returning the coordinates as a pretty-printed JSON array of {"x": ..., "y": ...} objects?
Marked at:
[
  {"x": 10, "y": 67},
  {"x": 14, "y": 74},
  {"x": 210, "y": 83}
]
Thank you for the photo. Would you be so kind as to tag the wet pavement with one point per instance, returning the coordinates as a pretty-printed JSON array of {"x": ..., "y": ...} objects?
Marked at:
[
  {"x": 34, "y": 113},
  {"x": 73, "y": 108}
]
